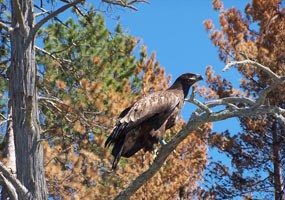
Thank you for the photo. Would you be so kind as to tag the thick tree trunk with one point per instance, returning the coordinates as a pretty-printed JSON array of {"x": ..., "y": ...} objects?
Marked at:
[
  {"x": 278, "y": 180},
  {"x": 23, "y": 94}
]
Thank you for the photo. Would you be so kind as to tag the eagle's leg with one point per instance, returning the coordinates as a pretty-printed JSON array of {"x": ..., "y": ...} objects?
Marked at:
[
  {"x": 155, "y": 150},
  {"x": 162, "y": 142}
]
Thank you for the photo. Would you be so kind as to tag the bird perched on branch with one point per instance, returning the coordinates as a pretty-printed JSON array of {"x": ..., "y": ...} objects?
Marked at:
[{"x": 142, "y": 124}]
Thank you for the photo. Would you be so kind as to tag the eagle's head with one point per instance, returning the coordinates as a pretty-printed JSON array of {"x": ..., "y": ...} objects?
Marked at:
[
  {"x": 188, "y": 79},
  {"x": 185, "y": 81}
]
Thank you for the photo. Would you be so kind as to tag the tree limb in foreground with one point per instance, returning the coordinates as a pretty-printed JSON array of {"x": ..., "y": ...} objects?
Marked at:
[
  {"x": 11, "y": 189},
  {"x": 6, "y": 27},
  {"x": 8, "y": 177},
  {"x": 204, "y": 115},
  {"x": 53, "y": 14}
]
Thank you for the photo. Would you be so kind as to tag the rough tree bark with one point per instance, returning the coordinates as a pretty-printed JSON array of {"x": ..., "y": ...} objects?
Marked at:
[{"x": 23, "y": 94}]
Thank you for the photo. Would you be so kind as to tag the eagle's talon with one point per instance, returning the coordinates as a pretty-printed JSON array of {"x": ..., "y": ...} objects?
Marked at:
[
  {"x": 162, "y": 142},
  {"x": 154, "y": 151}
]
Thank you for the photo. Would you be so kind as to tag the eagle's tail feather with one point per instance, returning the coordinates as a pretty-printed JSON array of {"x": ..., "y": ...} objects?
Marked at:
[
  {"x": 117, "y": 133},
  {"x": 117, "y": 152}
]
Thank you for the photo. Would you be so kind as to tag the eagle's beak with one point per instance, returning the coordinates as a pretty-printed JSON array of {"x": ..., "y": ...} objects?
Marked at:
[{"x": 197, "y": 77}]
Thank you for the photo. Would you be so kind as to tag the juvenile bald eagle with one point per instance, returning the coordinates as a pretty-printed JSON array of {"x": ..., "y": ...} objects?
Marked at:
[{"x": 142, "y": 124}]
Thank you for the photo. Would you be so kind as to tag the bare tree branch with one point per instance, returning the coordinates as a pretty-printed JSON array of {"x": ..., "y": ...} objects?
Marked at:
[
  {"x": 21, "y": 189},
  {"x": 44, "y": 11},
  {"x": 59, "y": 60},
  {"x": 231, "y": 100},
  {"x": 264, "y": 68},
  {"x": 126, "y": 4},
  {"x": 41, "y": 13},
  {"x": 197, "y": 103},
  {"x": 10, "y": 187},
  {"x": 6, "y": 27},
  {"x": 1, "y": 115},
  {"x": 251, "y": 108},
  {"x": 78, "y": 10},
  {"x": 69, "y": 116},
  {"x": 55, "y": 99},
  {"x": 264, "y": 93},
  {"x": 10, "y": 143},
  {"x": 4, "y": 121},
  {"x": 277, "y": 80},
  {"x": 53, "y": 14}
]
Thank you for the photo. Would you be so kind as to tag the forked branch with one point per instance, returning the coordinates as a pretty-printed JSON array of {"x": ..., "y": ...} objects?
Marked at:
[
  {"x": 202, "y": 106},
  {"x": 6, "y": 27},
  {"x": 256, "y": 64},
  {"x": 277, "y": 80},
  {"x": 10, "y": 187},
  {"x": 54, "y": 14},
  {"x": 59, "y": 60},
  {"x": 22, "y": 191}
]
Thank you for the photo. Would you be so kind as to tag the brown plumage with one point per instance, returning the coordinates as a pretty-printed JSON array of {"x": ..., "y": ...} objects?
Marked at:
[{"x": 143, "y": 124}]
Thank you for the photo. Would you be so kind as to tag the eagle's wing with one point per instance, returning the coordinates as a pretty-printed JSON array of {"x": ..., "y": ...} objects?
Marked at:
[
  {"x": 153, "y": 109},
  {"x": 156, "y": 104},
  {"x": 145, "y": 108}
]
